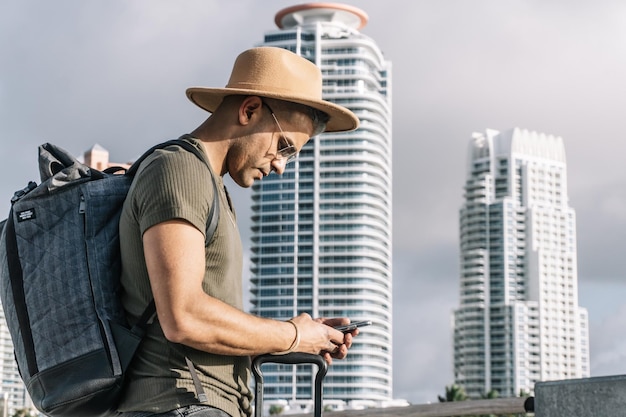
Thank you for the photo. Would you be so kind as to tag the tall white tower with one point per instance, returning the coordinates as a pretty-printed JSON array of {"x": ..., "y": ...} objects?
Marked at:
[
  {"x": 321, "y": 239},
  {"x": 519, "y": 321}
]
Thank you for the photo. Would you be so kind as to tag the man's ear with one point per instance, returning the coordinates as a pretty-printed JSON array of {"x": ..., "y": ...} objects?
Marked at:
[{"x": 250, "y": 108}]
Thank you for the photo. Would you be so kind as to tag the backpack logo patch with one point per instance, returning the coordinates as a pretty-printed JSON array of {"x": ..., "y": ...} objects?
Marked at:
[{"x": 27, "y": 214}]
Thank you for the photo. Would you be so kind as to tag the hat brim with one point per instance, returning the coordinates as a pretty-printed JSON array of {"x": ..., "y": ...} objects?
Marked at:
[{"x": 341, "y": 118}]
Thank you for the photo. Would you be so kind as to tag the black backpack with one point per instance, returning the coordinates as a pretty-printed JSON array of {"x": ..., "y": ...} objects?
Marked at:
[{"x": 59, "y": 282}]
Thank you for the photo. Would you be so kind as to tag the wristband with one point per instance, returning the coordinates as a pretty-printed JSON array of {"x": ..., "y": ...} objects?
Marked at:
[{"x": 294, "y": 344}]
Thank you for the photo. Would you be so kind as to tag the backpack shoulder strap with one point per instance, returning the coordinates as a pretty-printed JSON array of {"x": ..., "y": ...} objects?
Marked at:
[
  {"x": 150, "y": 312},
  {"x": 214, "y": 212},
  {"x": 16, "y": 276}
]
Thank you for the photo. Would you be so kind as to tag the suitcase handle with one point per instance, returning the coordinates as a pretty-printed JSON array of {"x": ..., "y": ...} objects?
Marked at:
[{"x": 292, "y": 359}]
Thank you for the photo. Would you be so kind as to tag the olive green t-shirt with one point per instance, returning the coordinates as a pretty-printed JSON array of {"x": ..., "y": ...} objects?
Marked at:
[{"x": 174, "y": 184}]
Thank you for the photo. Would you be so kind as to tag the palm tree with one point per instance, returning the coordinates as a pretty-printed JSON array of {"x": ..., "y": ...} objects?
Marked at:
[
  {"x": 276, "y": 410},
  {"x": 492, "y": 394},
  {"x": 454, "y": 392},
  {"x": 23, "y": 412}
]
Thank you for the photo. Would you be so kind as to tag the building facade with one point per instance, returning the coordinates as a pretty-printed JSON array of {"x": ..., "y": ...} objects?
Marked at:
[
  {"x": 518, "y": 321},
  {"x": 321, "y": 232},
  {"x": 12, "y": 388}
]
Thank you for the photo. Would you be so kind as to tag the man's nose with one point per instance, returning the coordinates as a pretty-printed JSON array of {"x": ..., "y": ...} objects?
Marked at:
[{"x": 279, "y": 165}]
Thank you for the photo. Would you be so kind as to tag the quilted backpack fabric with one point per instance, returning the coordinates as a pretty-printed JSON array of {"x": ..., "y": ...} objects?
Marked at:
[{"x": 59, "y": 283}]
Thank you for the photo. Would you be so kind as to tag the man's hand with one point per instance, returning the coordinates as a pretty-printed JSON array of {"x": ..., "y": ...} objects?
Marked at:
[{"x": 320, "y": 337}]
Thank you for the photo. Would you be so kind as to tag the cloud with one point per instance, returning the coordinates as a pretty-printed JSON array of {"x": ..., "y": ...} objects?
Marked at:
[
  {"x": 601, "y": 229},
  {"x": 422, "y": 335},
  {"x": 607, "y": 341}
]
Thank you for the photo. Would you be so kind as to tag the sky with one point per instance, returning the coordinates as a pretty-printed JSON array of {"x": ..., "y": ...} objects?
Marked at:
[{"x": 113, "y": 72}]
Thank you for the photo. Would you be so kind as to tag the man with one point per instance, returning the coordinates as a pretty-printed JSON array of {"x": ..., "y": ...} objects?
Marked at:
[{"x": 270, "y": 108}]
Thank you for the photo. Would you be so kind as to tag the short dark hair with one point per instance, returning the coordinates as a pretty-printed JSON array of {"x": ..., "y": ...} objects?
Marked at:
[{"x": 318, "y": 118}]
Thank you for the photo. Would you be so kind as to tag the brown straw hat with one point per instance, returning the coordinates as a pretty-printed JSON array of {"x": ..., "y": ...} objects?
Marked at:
[{"x": 276, "y": 73}]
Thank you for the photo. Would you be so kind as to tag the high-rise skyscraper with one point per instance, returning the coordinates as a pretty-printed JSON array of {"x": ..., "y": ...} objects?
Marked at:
[
  {"x": 321, "y": 239},
  {"x": 518, "y": 321}
]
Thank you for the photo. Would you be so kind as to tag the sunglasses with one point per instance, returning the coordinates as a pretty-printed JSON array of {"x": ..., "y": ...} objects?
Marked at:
[{"x": 285, "y": 149}]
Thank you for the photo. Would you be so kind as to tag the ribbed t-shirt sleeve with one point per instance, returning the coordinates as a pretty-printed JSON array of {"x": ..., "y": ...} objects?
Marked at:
[{"x": 173, "y": 185}]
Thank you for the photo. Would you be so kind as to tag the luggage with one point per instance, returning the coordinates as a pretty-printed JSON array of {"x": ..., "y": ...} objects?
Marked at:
[
  {"x": 293, "y": 359},
  {"x": 59, "y": 282}
]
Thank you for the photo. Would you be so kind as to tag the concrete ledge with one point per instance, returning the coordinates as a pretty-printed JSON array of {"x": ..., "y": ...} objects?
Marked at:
[
  {"x": 498, "y": 406},
  {"x": 586, "y": 397}
]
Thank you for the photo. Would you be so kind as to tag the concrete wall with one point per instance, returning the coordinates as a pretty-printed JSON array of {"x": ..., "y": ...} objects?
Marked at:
[{"x": 586, "y": 397}]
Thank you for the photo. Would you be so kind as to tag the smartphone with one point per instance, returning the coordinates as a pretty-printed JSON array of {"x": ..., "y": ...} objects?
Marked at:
[{"x": 349, "y": 327}]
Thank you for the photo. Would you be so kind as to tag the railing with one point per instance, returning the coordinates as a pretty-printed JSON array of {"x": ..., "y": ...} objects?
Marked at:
[{"x": 499, "y": 406}]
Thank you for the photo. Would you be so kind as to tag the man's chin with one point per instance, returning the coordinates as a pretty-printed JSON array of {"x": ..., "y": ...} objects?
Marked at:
[
  {"x": 245, "y": 182},
  {"x": 247, "y": 178}
]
